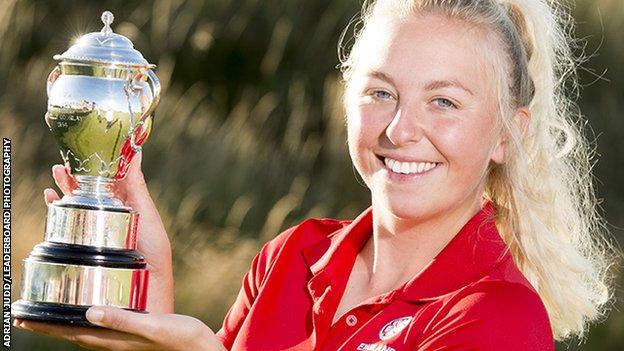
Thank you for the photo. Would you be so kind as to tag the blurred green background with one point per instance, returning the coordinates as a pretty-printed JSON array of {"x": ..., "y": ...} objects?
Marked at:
[{"x": 249, "y": 137}]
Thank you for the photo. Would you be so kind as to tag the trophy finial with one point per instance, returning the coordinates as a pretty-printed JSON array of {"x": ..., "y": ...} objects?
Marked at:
[{"x": 107, "y": 18}]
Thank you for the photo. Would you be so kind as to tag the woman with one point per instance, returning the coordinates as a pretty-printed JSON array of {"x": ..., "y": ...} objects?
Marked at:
[{"x": 482, "y": 232}]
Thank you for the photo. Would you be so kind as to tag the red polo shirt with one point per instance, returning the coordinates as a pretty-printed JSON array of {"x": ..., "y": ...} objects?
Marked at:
[{"x": 471, "y": 296}]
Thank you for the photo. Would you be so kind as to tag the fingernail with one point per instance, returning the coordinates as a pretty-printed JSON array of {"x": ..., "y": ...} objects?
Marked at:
[{"x": 95, "y": 314}]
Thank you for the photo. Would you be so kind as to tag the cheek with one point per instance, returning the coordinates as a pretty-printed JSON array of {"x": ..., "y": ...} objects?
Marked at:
[
  {"x": 357, "y": 139},
  {"x": 354, "y": 133},
  {"x": 466, "y": 146},
  {"x": 365, "y": 124}
]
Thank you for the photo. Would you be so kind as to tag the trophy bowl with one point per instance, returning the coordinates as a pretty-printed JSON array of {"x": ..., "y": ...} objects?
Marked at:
[{"x": 101, "y": 100}]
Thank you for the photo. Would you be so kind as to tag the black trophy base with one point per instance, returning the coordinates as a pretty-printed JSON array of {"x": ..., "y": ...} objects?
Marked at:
[{"x": 51, "y": 313}]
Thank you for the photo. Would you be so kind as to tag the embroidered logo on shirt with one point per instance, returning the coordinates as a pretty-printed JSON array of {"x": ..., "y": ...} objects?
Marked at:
[
  {"x": 393, "y": 328},
  {"x": 374, "y": 347}
]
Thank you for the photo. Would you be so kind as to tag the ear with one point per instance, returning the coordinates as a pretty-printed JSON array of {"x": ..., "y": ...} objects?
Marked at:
[{"x": 521, "y": 120}]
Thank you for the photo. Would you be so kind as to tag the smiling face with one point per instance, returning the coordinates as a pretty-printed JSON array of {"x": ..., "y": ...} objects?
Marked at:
[{"x": 422, "y": 115}]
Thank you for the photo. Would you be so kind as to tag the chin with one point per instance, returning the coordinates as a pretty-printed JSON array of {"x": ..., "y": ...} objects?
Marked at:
[{"x": 406, "y": 209}]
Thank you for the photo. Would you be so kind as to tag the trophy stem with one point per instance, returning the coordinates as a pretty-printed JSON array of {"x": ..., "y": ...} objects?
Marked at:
[
  {"x": 94, "y": 187},
  {"x": 93, "y": 191}
]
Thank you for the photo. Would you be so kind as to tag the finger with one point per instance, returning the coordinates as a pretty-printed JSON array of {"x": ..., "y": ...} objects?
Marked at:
[
  {"x": 135, "y": 174},
  {"x": 113, "y": 340},
  {"x": 51, "y": 329},
  {"x": 47, "y": 119},
  {"x": 59, "y": 331},
  {"x": 141, "y": 324},
  {"x": 92, "y": 338},
  {"x": 49, "y": 195},
  {"x": 63, "y": 179},
  {"x": 133, "y": 188},
  {"x": 135, "y": 163}
]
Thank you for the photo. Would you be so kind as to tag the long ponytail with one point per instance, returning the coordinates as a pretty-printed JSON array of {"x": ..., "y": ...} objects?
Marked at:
[{"x": 545, "y": 193}]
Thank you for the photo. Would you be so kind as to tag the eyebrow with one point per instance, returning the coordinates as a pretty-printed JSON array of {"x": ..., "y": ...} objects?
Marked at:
[
  {"x": 433, "y": 85},
  {"x": 382, "y": 76},
  {"x": 439, "y": 84}
]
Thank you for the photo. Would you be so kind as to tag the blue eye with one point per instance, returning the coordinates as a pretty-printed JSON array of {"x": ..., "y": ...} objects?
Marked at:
[
  {"x": 382, "y": 94},
  {"x": 444, "y": 103}
]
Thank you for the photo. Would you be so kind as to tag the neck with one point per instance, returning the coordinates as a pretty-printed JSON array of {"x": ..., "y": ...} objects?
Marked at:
[{"x": 401, "y": 247}]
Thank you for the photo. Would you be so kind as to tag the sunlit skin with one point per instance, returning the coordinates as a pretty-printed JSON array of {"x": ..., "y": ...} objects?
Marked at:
[{"x": 420, "y": 92}]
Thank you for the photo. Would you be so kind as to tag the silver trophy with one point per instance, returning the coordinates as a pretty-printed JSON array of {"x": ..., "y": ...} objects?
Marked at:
[{"x": 101, "y": 98}]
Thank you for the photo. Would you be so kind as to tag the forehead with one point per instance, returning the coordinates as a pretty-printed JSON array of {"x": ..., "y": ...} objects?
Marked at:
[{"x": 422, "y": 48}]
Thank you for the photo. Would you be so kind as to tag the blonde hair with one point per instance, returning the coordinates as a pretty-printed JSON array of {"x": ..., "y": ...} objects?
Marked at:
[{"x": 546, "y": 206}]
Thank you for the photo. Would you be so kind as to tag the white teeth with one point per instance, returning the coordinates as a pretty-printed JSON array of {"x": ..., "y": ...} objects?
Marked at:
[
  {"x": 408, "y": 167},
  {"x": 405, "y": 167},
  {"x": 396, "y": 167}
]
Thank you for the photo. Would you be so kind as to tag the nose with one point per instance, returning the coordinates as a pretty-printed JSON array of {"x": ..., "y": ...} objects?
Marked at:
[{"x": 405, "y": 127}]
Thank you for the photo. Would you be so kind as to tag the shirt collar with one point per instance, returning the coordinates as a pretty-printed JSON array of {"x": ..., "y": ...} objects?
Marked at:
[
  {"x": 347, "y": 241},
  {"x": 473, "y": 252}
]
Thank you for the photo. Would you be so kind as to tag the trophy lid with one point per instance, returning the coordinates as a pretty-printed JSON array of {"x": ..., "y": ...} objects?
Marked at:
[{"x": 104, "y": 47}]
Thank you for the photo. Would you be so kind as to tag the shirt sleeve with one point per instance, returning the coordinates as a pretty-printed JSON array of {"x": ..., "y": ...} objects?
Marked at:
[
  {"x": 251, "y": 285},
  {"x": 237, "y": 313},
  {"x": 497, "y": 316}
]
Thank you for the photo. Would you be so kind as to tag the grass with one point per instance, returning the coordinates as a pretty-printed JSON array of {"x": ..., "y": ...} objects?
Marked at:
[{"x": 249, "y": 137}]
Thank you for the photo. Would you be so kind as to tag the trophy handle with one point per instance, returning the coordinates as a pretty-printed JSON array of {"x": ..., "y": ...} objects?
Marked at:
[
  {"x": 52, "y": 77},
  {"x": 139, "y": 132},
  {"x": 154, "y": 83}
]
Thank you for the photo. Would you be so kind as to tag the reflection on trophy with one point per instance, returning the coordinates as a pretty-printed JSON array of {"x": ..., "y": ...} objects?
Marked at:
[{"x": 101, "y": 98}]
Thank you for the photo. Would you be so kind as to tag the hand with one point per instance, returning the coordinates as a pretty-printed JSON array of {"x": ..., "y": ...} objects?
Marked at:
[
  {"x": 152, "y": 240},
  {"x": 126, "y": 330}
]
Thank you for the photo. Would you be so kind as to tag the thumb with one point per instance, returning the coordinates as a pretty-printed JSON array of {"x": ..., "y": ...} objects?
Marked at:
[
  {"x": 135, "y": 174},
  {"x": 132, "y": 187},
  {"x": 119, "y": 319},
  {"x": 135, "y": 179}
]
